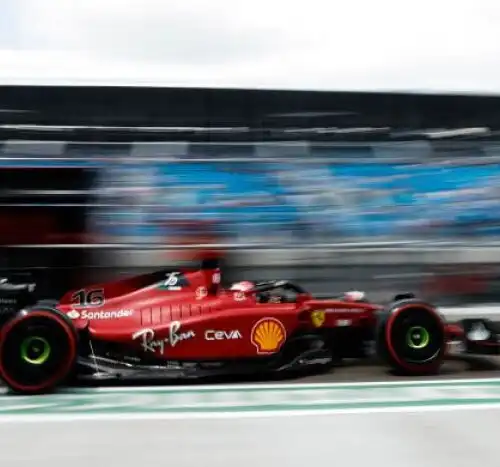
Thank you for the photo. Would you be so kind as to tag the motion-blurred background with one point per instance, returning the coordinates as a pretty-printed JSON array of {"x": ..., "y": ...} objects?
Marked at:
[{"x": 381, "y": 192}]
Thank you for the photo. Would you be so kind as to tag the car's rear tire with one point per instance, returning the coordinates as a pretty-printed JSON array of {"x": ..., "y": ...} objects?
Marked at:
[
  {"x": 411, "y": 338},
  {"x": 38, "y": 350}
]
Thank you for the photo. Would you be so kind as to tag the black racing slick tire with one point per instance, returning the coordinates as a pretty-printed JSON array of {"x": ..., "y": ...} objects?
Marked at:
[
  {"x": 411, "y": 338},
  {"x": 38, "y": 350}
]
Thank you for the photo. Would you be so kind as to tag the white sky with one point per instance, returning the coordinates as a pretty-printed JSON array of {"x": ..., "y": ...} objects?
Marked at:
[{"x": 450, "y": 45}]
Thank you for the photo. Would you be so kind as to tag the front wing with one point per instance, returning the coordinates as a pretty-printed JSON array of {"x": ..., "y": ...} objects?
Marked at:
[{"x": 481, "y": 336}]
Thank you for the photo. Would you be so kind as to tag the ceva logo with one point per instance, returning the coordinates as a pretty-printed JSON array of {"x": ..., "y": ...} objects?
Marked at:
[{"x": 212, "y": 335}]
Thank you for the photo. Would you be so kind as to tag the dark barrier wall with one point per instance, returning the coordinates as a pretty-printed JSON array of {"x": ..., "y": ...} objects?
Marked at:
[
  {"x": 181, "y": 107},
  {"x": 44, "y": 204}
]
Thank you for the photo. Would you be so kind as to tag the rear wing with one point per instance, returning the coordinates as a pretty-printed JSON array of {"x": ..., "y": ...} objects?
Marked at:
[
  {"x": 210, "y": 264},
  {"x": 18, "y": 289}
]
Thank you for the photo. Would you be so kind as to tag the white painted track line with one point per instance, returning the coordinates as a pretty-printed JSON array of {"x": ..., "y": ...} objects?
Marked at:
[{"x": 82, "y": 417}]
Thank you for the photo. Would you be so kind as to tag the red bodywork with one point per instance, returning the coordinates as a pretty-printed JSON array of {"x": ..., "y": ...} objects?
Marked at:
[{"x": 201, "y": 320}]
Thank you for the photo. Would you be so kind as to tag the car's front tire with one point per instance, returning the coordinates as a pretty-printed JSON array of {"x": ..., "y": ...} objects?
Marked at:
[{"x": 411, "y": 337}]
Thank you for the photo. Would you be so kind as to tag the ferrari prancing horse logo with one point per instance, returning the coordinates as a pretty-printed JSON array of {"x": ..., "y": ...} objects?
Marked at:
[{"x": 318, "y": 318}]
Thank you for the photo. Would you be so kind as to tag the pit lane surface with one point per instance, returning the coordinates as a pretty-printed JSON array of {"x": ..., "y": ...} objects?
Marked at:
[
  {"x": 428, "y": 439},
  {"x": 436, "y": 428},
  {"x": 454, "y": 368},
  {"x": 463, "y": 436}
]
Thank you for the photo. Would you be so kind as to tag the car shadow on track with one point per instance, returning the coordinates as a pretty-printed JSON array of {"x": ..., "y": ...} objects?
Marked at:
[{"x": 457, "y": 367}]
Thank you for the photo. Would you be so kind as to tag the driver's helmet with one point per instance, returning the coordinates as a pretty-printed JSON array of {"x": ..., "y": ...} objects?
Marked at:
[
  {"x": 239, "y": 289},
  {"x": 243, "y": 286},
  {"x": 354, "y": 296}
]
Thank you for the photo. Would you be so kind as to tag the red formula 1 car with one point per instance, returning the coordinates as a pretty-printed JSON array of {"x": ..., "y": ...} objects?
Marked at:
[{"x": 184, "y": 324}]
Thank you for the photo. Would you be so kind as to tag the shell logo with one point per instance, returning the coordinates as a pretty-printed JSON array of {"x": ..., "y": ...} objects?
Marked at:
[
  {"x": 268, "y": 335},
  {"x": 201, "y": 292}
]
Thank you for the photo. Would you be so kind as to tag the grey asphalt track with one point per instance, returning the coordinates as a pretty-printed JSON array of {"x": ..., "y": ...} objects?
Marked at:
[
  {"x": 427, "y": 439},
  {"x": 454, "y": 368}
]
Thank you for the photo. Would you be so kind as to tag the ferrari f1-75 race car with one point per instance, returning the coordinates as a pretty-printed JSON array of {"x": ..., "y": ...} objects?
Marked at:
[{"x": 184, "y": 324}]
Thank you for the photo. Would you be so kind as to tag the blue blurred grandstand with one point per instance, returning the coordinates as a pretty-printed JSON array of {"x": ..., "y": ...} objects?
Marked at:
[
  {"x": 247, "y": 201},
  {"x": 289, "y": 199}
]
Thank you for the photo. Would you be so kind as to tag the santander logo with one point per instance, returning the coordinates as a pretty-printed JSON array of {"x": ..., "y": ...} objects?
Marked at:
[{"x": 98, "y": 315}]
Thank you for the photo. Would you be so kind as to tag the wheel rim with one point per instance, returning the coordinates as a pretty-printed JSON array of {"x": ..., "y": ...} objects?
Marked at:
[
  {"x": 35, "y": 350},
  {"x": 417, "y": 337}
]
